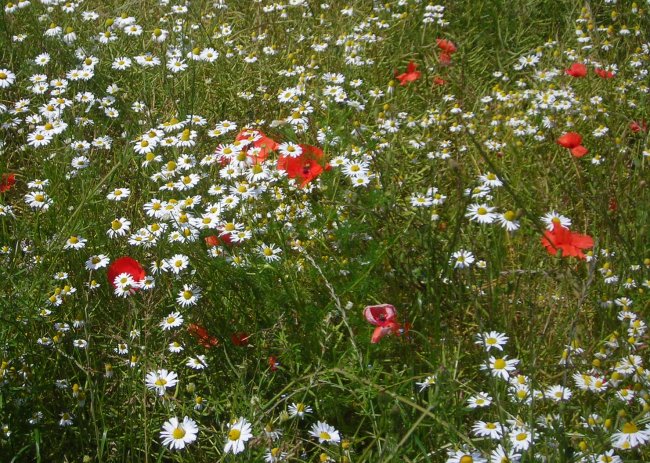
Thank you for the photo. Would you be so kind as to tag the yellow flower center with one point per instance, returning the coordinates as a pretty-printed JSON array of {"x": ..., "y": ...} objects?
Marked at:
[
  {"x": 3, "y": 75},
  {"x": 522, "y": 436},
  {"x": 491, "y": 341},
  {"x": 490, "y": 425},
  {"x": 187, "y": 294},
  {"x": 116, "y": 224},
  {"x": 234, "y": 434},
  {"x": 629, "y": 428},
  {"x": 39, "y": 197},
  {"x": 481, "y": 211},
  {"x": 324, "y": 435},
  {"x": 73, "y": 240},
  {"x": 466, "y": 459},
  {"x": 186, "y": 135},
  {"x": 509, "y": 215},
  {"x": 178, "y": 433},
  {"x": 171, "y": 320},
  {"x": 161, "y": 382},
  {"x": 39, "y": 137},
  {"x": 499, "y": 364},
  {"x": 268, "y": 252}
]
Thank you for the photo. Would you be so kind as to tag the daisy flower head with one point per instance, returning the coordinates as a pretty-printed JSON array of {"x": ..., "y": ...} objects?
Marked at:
[
  {"x": 520, "y": 438},
  {"x": 630, "y": 436},
  {"x": 507, "y": 221},
  {"x": 462, "y": 259},
  {"x": 118, "y": 194},
  {"x": 173, "y": 320},
  {"x": 464, "y": 456},
  {"x": 238, "y": 433},
  {"x": 481, "y": 213},
  {"x": 492, "y": 340},
  {"x": 427, "y": 383},
  {"x": 176, "y": 435},
  {"x": 289, "y": 149},
  {"x": 160, "y": 380},
  {"x": 501, "y": 367},
  {"x": 552, "y": 218},
  {"x": 270, "y": 252},
  {"x": 189, "y": 296},
  {"x": 325, "y": 433},
  {"x": 197, "y": 363},
  {"x": 299, "y": 409},
  {"x": 480, "y": 400},
  {"x": 75, "y": 242}
]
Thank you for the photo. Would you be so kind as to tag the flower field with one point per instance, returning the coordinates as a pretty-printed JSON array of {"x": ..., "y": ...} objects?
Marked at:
[{"x": 266, "y": 231}]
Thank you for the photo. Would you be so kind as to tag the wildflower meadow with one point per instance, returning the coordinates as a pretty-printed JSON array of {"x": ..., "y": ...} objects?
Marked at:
[{"x": 324, "y": 231}]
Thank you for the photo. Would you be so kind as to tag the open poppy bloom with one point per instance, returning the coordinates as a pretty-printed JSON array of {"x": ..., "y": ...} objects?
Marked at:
[
  {"x": 202, "y": 335},
  {"x": 410, "y": 75},
  {"x": 447, "y": 48},
  {"x": 125, "y": 265},
  {"x": 383, "y": 317},
  {"x": 573, "y": 141},
  {"x": 6, "y": 182},
  {"x": 604, "y": 74},
  {"x": 562, "y": 238},
  {"x": 262, "y": 145},
  {"x": 305, "y": 167},
  {"x": 577, "y": 70}
]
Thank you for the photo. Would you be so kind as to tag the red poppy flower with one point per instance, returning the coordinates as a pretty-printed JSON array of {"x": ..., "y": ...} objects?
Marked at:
[
  {"x": 273, "y": 363},
  {"x": 7, "y": 182},
  {"x": 573, "y": 141},
  {"x": 570, "y": 243},
  {"x": 410, "y": 75},
  {"x": 437, "y": 80},
  {"x": 202, "y": 335},
  {"x": 635, "y": 127},
  {"x": 263, "y": 145},
  {"x": 240, "y": 338},
  {"x": 305, "y": 167},
  {"x": 125, "y": 265},
  {"x": 213, "y": 240},
  {"x": 603, "y": 74},
  {"x": 446, "y": 46},
  {"x": 383, "y": 317},
  {"x": 577, "y": 70}
]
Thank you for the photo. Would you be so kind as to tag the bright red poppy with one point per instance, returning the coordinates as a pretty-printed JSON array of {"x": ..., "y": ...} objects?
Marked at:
[
  {"x": 410, "y": 75},
  {"x": 446, "y": 46},
  {"x": 214, "y": 240},
  {"x": 202, "y": 335},
  {"x": 128, "y": 265},
  {"x": 383, "y": 317},
  {"x": 305, "y": 167},
  {"x": 577, "y": 70},
  {"x": 570, "y": 243},
  {"x": 573, "y": 141},
  {"x": 7, "y": 181},
  {"x": 262, "y": 145},
  {"x": 604, "y": 74}
]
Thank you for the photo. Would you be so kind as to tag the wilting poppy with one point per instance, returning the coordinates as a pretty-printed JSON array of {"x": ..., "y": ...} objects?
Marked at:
[
  {"x": 410, "y": 75},
  {"x": 573, "y": 141},
  {"x": 7, "y": 181},
  {"x": 128, "y": 265},
  {"x": 240, "y": 338},
  {"x": 383, "y": 317},
  {"x": 273, "y": 363},
  {"x": 635, "y": 127},
  {"x": 577, "y": 70},
  {"x": 562, "y": 238},
  {"x": 202, "y": 335},
  {"x": 305, "y": 167}
]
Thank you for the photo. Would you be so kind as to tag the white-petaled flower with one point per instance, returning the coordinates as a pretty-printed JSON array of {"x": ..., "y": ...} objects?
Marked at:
[
  {"x": 299, "y": 409},
  {"x": 480, "y": 400},
  {"x": 119, "y": 227},
  {"x": 501, "y": 367},
  {"x": 118, "y": 194},
  {"x": 552, "y": 218},
  {"x": 325, "y": 433},
  {"x": 492, "y": 340},
  {"x": 189, "y": 295},
  {"x": 177, "y": 435},
  {"x": 197, "y": 363},
  {"x": 493, "y": 430},
  {"x": 177, "y": 263},
  {"x": 291, "y": 150},
  {"x": 630, "y": 436},
  {"x": 38, "y": 200},
  {"x": 462, "y": 259},
  {"x": 558, "y": 393},
  {"x": 160, "y": 380},
  {"x": 507, "y": 221},
  {"x": 464, "y": 456},
  {"x": 270, "y": 252},
  {"x": 481, "y": 213},
  {"x": 427, "y": 383},
  {"x": 75, "y": 242},
  {"x": 520, "y": 438},
  {"x": 238, "y": 433},
  {"x": 7, "y": 78},
  {"x": 173, "y": 320}
]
